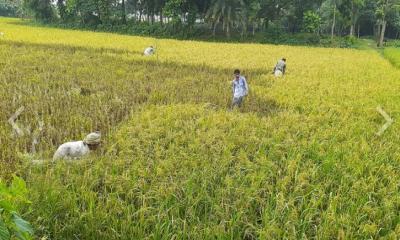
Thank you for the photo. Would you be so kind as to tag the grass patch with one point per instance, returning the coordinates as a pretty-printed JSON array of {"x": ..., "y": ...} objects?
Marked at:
[{"x": 393, "y": 55}]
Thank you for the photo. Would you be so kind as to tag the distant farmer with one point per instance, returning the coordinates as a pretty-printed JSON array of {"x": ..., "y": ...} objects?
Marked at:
[
  {"x": 280, "y": 68},
  {"x": 240, "y": 89},
  {"x": 149, "y": 51},
  {"x": 76, "y": 150}
]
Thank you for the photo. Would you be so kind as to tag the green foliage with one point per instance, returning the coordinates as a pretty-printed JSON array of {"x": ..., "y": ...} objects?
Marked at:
[
  {"x": 11, "y": 8},
  {"x": 230, "y": 17},
  {"x": 308, "y": 39},
  {"x": 12, "y": 198},
  {"x": 274, "y": 35},
  {"x": 41, "y": 10},
  {"x": 311, "y": 22},
  {"x": 91, "y": 11},
  {"x": 229, "y": 13},
  {"x": 340, "y": 42},
  {"x": 393, "y": 44},
  {"x": 173, "y": 9}
]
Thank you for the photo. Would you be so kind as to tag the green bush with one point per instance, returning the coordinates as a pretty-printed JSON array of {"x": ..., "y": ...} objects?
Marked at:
[
  {"x": 9, "y": 8},
  {"x": 12, "y": 198},
  {"x": 339, "y": 42},
  {"x": 393, "y": 43},
  {"x": 292, "y": 39},
  {"x": 311, "y": 22},
  {"x": 275, "y": 34}
]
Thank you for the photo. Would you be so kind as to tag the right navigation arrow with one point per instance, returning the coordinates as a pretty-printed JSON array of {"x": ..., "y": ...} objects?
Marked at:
[{"x": 389, "y": 121}]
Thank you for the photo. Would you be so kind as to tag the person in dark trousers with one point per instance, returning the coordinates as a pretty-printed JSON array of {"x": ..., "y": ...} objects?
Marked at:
[{"x": 240, "y": 89}]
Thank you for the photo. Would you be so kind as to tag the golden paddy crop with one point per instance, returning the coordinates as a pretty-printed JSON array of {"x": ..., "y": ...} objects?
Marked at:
[{"x": 300, "y": 160}]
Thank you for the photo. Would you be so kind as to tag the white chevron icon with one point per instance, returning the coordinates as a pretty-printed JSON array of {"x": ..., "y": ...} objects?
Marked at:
[{"x": 389, "y": 121}]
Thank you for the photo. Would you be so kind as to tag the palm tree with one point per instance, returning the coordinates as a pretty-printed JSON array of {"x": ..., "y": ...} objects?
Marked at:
[
  {"x": 228, "y": 12},
  {"x": 335, "y": 4},
  {"x": 355, "y": 11},
  {"x": 382, "y": 13}
]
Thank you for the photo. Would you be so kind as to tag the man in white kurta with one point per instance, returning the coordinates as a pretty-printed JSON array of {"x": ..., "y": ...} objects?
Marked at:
[
  {"x": 240, "y": 89},
  {"x": 149, "y": 51},
  {"x": 78, "y": 149}
]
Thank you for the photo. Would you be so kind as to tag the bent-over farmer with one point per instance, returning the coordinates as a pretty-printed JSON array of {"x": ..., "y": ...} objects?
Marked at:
[
  {"x": 78, "y": 149},
  {"x": 280, "y": 68},
  {"x": 240, "y": 89},
  {"x": 149, "y": 51}
]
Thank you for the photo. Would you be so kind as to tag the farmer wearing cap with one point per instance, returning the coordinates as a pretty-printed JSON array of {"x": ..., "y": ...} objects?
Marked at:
[
  {"x": 149, "y": 51},
  {"x": 240, "y": 89},
  {"x": 280, "y": 68},
  {"x": 78, "y": 149}
]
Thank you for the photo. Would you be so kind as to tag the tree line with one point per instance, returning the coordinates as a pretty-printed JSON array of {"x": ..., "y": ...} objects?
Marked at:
[{"x": 352, "y": 18}]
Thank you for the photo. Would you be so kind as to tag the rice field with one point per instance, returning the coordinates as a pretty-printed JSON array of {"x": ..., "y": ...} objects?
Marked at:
[
  {"x": 300, "y": 160},
  {"x": 393, "y": 55}
]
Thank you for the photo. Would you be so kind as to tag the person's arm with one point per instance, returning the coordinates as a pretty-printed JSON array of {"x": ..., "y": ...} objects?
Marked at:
[
  {"x": 233, "y": 87},
  {"x": 246, "y": 86},
  {"x": 276, "y": 67},
  {"x": 284, "y": 69}
]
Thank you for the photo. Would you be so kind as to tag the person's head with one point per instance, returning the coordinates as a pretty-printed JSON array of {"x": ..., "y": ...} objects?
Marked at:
[
  {"x": 151, "y": 47},
  {"x": 236, "y": 73},
  {"x": 93, "y": 140},
  {"x": 93, "y": 147},
  {"x": 284, "y": 59}
]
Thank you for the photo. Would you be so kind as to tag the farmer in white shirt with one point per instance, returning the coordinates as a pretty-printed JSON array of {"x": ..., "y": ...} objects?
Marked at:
[
  {"x": 76, "y": 150},
  {"x": 280, "y": 68},
  {"x": 240, "y": 89},
  {"x": 149, "y": 51}
]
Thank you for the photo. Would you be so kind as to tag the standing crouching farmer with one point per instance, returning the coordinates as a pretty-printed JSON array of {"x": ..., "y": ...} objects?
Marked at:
[{"x": 240, "y": 89}]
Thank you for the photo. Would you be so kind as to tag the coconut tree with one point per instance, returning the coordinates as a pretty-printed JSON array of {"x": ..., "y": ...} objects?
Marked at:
[
  {"x": 335, "y": 4},
  {"x": 227, "y": 12},
  {"x": 385, "y": 7},
  {"x": 355, "y": 12}
]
